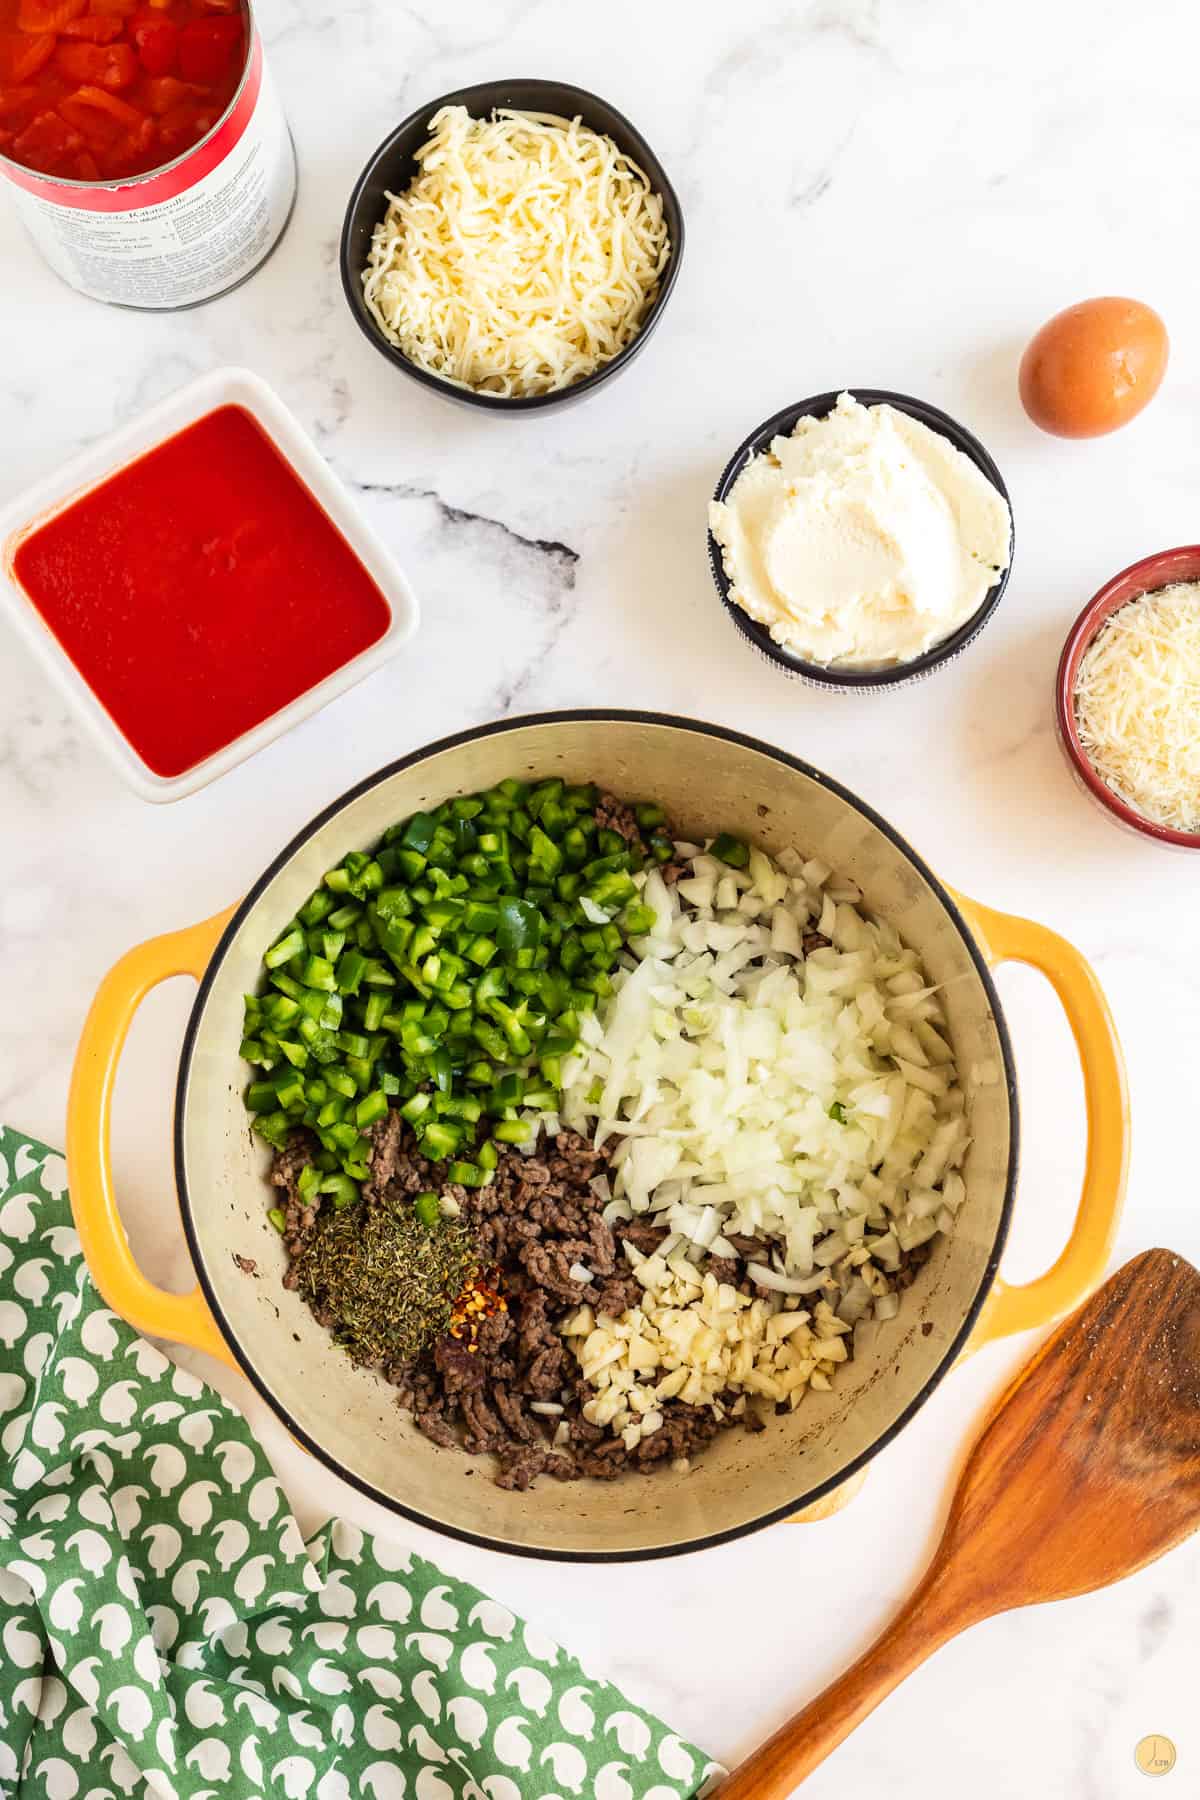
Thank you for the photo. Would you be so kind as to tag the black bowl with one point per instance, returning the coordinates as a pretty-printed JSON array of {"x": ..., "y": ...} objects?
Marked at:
[
  {"x": 832, "y": 675},
  {"x": 392, "y": 169}
]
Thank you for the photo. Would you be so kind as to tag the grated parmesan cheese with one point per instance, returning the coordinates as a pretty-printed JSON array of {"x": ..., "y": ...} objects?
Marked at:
[
  {"x": 525, "y": 254},
  {"x": 1137, "y": 705}
]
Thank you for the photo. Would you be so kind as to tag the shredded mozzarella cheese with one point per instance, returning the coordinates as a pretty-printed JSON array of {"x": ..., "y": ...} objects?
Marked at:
[
  {"x": 526, "y": 253},
  {"x": 1137, "y": 705}
]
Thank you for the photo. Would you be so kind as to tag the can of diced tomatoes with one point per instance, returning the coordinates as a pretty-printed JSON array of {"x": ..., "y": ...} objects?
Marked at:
[{"x": 145, "y": 145}]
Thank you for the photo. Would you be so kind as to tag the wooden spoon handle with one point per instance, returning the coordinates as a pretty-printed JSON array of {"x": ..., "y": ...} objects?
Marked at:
[{"x": 798, "y": 1747}]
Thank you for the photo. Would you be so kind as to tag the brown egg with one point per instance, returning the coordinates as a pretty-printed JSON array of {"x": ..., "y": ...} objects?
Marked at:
[{"x": 1093, "y": 367}]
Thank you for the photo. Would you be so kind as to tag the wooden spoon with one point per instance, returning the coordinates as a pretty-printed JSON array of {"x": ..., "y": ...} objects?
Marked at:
[{"x": 1088, "y": 1469}]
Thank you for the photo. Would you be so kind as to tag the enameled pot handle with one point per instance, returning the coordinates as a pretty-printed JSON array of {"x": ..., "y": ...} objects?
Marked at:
[
  {"x": 183, "y": 1318},
  {"x": 1005, "y": 938}
]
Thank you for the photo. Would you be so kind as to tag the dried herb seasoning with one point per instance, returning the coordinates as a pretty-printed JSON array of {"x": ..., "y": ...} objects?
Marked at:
[{"x": 385, "y": 1282}]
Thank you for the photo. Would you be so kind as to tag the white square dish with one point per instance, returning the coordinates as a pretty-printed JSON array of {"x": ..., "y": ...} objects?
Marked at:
[{"x": 223, "y": 387}]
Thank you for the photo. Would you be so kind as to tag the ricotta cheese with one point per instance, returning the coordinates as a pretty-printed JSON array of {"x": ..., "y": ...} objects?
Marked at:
[{"x": 864, "y": 538}]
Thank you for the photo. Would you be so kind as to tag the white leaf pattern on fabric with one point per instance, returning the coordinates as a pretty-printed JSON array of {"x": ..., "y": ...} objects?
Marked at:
[
  {"x": 31, "y": 1280},
  {"x": 436, "y": 1611},
  {"x": 575, "y": 1715},
  {"x": 469, "y": 1719},
  {"x": 58, "y": 1777},
  {"x": 676, "y": 1760},
  {"x": 385, "y": 1684},
  {"x": 423, "y": 1686},
  {"x": 381, "y": 1731},
  {"x": 16, "y": 1219},
  {"x": 233, "y": 1541},
  {"x": 333, "y": 1786},
  {"x": 477, "y": 1667},
  {"x": 511, "y": 1744},
  {"x": 391, "y": 1601},
  {"x": 532, "y": 1686},
  {"x": 52, "y": 1172},
  {"x": 22, "y": 1647},
  {"x": 99, "y": 1335},
  {"x": 632, "y": 1733},
  {"x": 384, "y": 1781},
  {"x": 493, "y": 1618},
  {"x": 343, "y": 1727},
  {"x": 147, "y": 1551},
  {"x": 499, "y": 1787},
  {"x": 611, "y": 1783},
  {"x": 569, "y": 1765}
]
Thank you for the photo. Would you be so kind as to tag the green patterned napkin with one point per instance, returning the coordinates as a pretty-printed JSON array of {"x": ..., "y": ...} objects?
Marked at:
[{"x": 166, "y": 1632}]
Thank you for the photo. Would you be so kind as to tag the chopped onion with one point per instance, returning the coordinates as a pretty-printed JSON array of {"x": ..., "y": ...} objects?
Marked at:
[
  {"x": 549, "y": 1409},
  {"x": 809, "y": 1102},
  {"x": 765, "y": 1277},
  {"x": 578, "y": 1272},
  {"x": 855, "y": 1302}
]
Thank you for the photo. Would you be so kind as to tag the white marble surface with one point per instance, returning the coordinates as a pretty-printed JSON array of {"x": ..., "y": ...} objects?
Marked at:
[{"x": 893, "y": 194}]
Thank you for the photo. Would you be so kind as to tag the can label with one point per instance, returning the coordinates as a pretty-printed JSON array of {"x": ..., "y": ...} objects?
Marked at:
[{"x": 181, "y": 235}]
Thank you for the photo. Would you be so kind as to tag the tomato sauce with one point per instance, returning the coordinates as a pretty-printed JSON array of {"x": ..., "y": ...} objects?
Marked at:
[
  {"x": 200, "y": 589},
  {"x": 103, "y": 90}
]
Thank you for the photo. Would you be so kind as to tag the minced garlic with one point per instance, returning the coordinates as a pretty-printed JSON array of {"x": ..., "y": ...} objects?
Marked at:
[{"x": 697, "y": 1340}]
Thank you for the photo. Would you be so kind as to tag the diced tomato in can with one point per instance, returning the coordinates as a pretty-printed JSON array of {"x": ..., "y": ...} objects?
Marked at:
[{"x": 144, "y": 143}]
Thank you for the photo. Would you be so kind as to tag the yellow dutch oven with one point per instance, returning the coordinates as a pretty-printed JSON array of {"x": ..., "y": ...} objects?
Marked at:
[{"x": 709, "y": 780}]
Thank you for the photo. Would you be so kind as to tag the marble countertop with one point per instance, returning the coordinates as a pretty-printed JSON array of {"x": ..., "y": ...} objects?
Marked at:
[{"x": 880, "y": 192}]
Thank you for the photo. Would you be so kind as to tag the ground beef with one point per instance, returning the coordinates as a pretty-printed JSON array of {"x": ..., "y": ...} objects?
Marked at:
[
  {"x": 612, "y": 814},
  {"x": 299, "y": 1218},
  {"x": 535, "y": 1222},
  {"x": 620, "y": 1293},
  {"x": 387, "y": 1137},
  {"x": 752, "y": 1249},
  {"x": 642, "y": 1236},
  {"x": 911, "y": 1263},
  {"x": 684, "y": 1432},
  {"x": 519, "y": 1467}
]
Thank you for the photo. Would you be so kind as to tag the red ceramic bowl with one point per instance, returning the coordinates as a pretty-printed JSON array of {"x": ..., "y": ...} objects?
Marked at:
[{"x": 1159, "y": 571}]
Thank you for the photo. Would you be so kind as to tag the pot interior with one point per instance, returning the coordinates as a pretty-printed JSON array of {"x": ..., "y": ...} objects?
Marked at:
[{"x": 708, "y": 782}]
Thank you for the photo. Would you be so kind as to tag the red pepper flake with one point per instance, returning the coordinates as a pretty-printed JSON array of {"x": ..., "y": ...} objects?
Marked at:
[{"x": 479, "y": 1300}]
